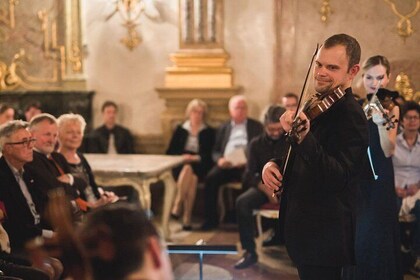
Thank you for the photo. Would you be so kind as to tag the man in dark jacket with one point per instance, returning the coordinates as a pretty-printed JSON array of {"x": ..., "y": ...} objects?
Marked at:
[
  {"x": 270, "y": 144},
  {"x": 323, "y": 176},
  {"x": 110, "y": 138},
  {"x": 232, "y": 137}
]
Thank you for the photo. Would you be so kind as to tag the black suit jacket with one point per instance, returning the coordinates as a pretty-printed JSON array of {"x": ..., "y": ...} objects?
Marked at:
[
  {"x": 253, "y": 128},
  {"x": 206, "y": 139},
  {"x": 47, "y": 172},
  {"x": 97, "y": 141},
  {"x": 19, "y": 223},
  {"x": 322, "y": 184}
]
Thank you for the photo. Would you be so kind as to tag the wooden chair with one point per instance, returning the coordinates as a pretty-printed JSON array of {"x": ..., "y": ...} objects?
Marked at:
[
  {"x": 220, "y": 200},
  {"x": 267, "y": 210}
]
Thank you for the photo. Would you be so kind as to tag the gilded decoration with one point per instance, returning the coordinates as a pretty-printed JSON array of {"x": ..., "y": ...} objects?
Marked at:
[
  {"x": 325, "y": 11},
  {"x": 403, "y": 86},
  {"x": 131, "y": 12},
  {"x": 404, "y": 26},
  {"x": 7, "y": 18},
  {"x": 42, "y": 51}
]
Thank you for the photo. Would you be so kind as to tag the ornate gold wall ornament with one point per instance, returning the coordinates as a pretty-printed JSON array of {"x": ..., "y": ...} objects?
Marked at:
[
  {"x": 7, "y": 17},
  {"x": 403, "y": 86},
  {"x": 131, "y": 11},
  {"x": 325, "y": 11},
  {"x": 404, "y": 26}
]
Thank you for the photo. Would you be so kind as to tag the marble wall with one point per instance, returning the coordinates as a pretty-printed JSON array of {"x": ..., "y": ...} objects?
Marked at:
[{"x": 269, "y": 55}]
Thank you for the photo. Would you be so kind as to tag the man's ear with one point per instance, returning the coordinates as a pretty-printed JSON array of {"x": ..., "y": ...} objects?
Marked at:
[
  {"x": 155, "y": 251},
  {"x": 354, "y": 70}
]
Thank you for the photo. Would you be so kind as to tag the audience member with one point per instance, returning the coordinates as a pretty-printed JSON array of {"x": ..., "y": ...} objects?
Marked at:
[
  {"x": 406, "y": 160},
  {"x": 110, "y": 138},
  {"x": 271, "y": 144},
  {"x": 70, "y": 135},
  {"x": 194, "y": 139},
  {"x": 289, "y": 101},
  {"x": 32, "y": 109},
  {"x": 121, "y": 243},
  {"x": 49, "y": 167},
  {"x": 7, "y": 113},
  {"x": 231, "y": 137},
  {"x": 21, "y": 198}
]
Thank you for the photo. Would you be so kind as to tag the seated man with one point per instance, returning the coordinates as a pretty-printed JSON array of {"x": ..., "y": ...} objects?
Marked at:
[
  {"x": 110, "y": 138},
  {"x": 406, "y": 160},
  {"x": 48, "y": 166},
  {"x": 32, "y": 109},
  {"x": 271, "y": 144},
  {"x": 18, "y": 192},
  {"x": 7, "y": 113},
  {"x": 233, "y": 135}
]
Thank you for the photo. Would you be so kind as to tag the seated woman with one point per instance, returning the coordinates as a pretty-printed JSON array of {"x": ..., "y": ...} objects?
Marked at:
[
  {"x": 194, "y": 139},
  {"x": 71, "y": 128}
]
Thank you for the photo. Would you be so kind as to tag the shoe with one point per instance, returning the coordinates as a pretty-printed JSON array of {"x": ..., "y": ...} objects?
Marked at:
[
  {"x": 208, "y": 226},
  {"x": 187, "y": 228},
  {"x": 247, "y": 260},
  {"x": 272, "y": 240}
]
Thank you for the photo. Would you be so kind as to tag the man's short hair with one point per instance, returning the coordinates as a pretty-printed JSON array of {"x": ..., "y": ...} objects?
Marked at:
[
  {"x": 291, "y": 95},
  {"x": 236, "y": 98},
  {"x": 127, "y": 229},
  {"x": 353, "y": 50},
  {"x": 109, "y": 103},
  {"x": 35, "y": 104},
  {"x": 273, "y": 114},
  {"x": 4, "y": 107},
  {"x": 9, "y": 128},
  {"x": 40, "y": 118},
  {"x": 410, "y": 106}
]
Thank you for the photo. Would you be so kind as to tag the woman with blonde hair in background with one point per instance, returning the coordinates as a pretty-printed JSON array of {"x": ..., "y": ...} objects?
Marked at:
[
  {"x": 194, "y": 139},
  {"x": 377, "y": 244}
]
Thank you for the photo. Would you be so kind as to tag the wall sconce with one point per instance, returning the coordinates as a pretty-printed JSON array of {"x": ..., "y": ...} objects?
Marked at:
[{"x": 130, "y": 12}]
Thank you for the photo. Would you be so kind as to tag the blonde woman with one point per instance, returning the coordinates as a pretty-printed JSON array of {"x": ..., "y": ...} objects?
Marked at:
[{"x": 194, "y": 139}]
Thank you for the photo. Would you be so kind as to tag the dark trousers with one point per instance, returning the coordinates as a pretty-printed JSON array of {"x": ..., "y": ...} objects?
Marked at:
[
  {"x": 416, "y": 228},
  {"x": 313, "y": 272},
  {"x": 214, "y": 179},
  {"x": 245, "y": 203}
]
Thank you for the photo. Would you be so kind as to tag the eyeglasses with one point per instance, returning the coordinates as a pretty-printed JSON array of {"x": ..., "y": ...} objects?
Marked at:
[
  {"x": 409, "y": 118},
  {"x": 25, "y": 143}
]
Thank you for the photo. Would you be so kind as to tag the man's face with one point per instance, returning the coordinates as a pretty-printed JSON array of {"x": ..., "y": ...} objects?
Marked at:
[
  {"x": 46, "y": 136},
  {"x": 411, "y": 120},
  {"x": 289, "y": 103},
  {"x": 32, "y": 112},
  {"x": 238, "y": 111},
  {"x": 274, "y": 130},
  {"x": 7, "y": 115},
  {"x": 19, "y": 149},
  {"x": 109, "y": 115},
  {"x": 331, "y": 69}
]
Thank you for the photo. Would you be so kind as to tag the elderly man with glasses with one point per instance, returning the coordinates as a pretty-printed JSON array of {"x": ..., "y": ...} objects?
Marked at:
[{"x": 21, "y": 198}]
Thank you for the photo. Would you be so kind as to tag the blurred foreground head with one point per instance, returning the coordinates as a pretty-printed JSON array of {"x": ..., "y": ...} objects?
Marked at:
[{"x": 121, "y": 243}]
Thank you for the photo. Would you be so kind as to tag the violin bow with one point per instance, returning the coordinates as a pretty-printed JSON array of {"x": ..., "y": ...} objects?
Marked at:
[{"x": 289, "y": 151}]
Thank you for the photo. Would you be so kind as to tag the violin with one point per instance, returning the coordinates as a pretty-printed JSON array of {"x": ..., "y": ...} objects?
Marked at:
[
  {"x": 381, "y": 105},
  {"x": 313, "y": 107}
]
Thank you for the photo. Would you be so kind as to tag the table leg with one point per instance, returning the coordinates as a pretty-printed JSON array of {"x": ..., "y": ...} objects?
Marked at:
[{"x": 170, "y": 191}]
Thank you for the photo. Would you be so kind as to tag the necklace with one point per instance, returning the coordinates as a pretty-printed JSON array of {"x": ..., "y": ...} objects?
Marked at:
[{"x": 404, "y": 24}]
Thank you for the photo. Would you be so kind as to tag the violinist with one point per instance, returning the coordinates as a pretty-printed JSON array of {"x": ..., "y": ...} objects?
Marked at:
[
  {"x": 377, "y": 232},
  {"x": 322, "y": 177}
]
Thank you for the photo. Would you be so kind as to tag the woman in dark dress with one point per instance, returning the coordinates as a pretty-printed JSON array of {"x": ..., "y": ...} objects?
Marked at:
[
  {"x": 71, "y": 127},
  {"x": 377, "y": 241},
  {"x": 194, "y": 139}
]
